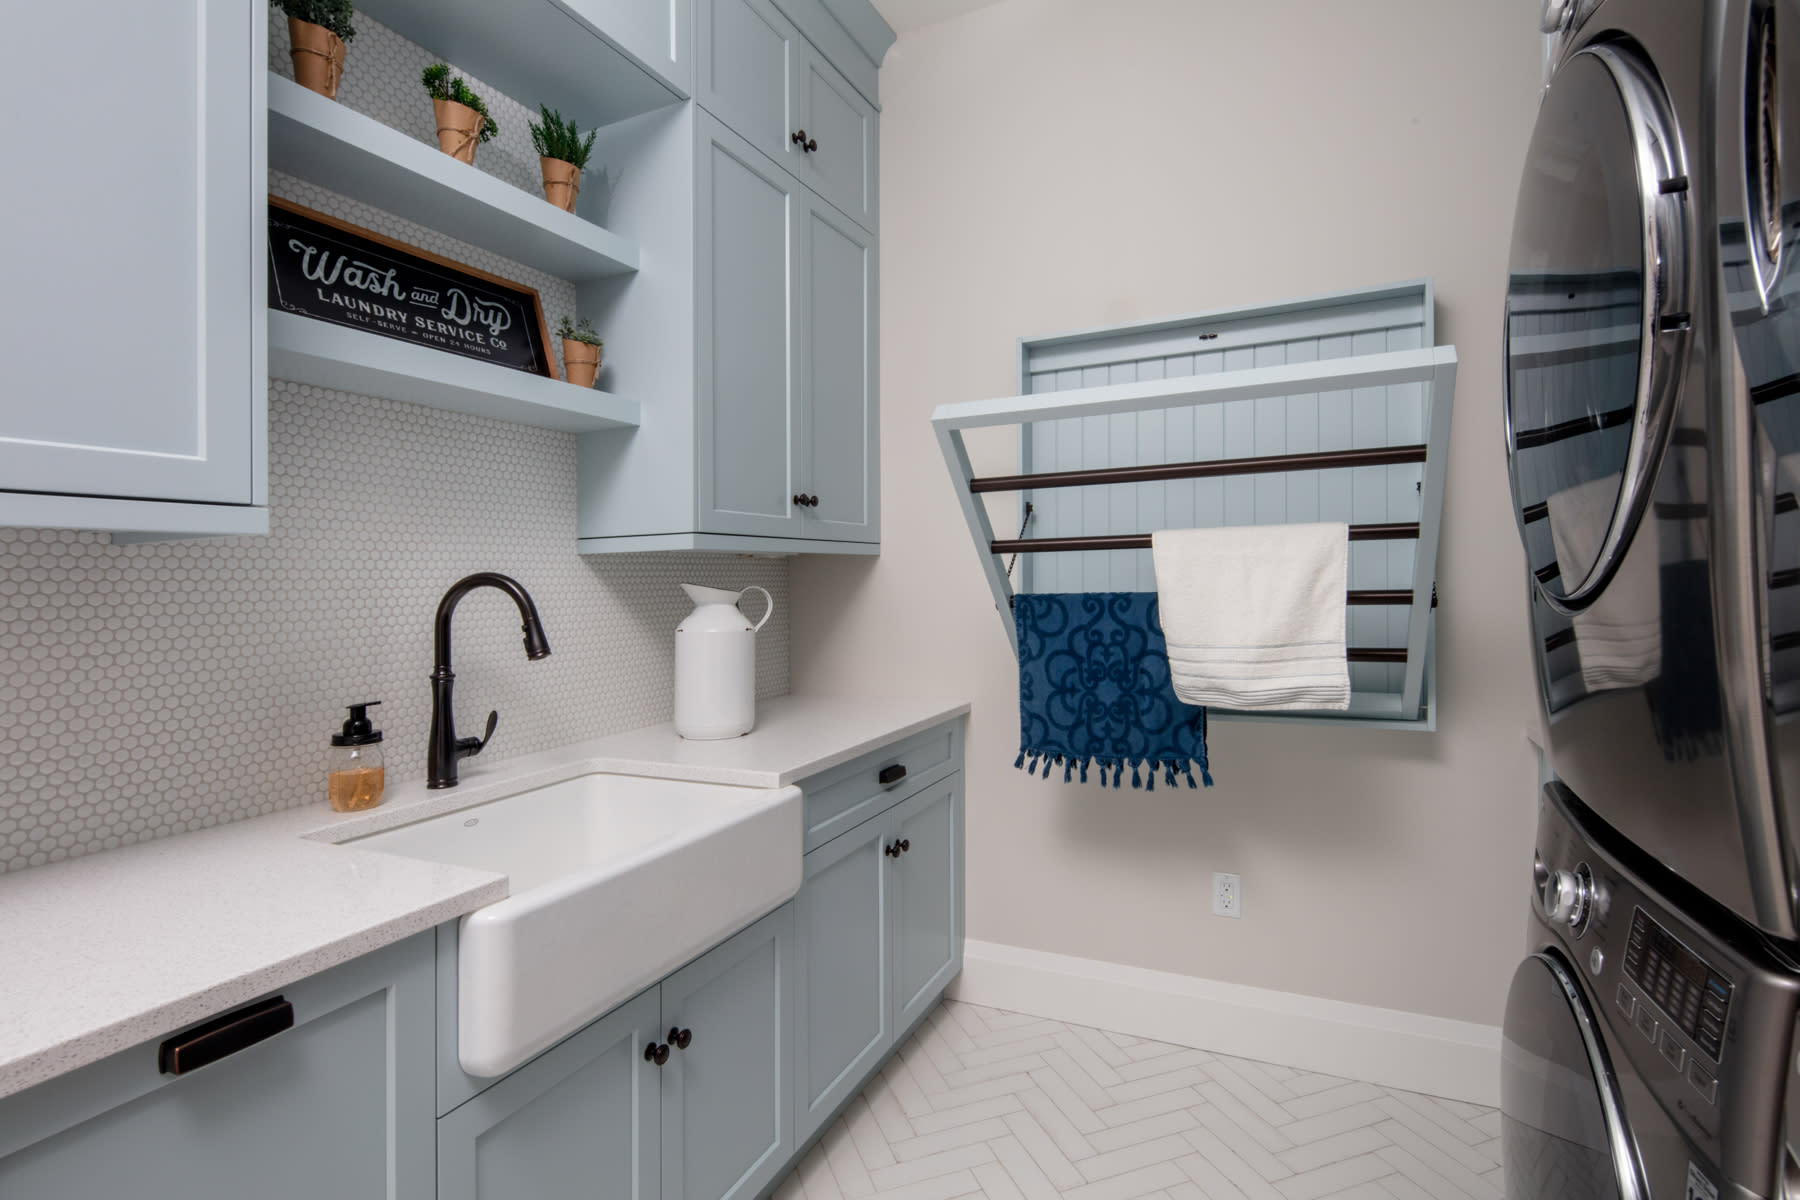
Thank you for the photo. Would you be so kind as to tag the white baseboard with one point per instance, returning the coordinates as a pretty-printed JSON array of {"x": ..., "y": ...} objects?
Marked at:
[{"x": 1411, "y": 1051}]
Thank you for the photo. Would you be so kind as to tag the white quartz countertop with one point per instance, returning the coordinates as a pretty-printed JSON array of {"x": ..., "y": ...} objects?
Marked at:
[{"x": 101, "y": 953}]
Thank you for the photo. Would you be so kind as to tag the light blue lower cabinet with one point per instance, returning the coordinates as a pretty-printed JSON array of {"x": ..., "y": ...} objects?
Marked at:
[
  {"x": 727, "y": 1096},
  {"x": 927, "y": 924},
  {"x": 338, "y": 1105},
  {"x": 783, "y": 1022},
  {"x": 842, "y": 1024},
  {"x": 584, "y": 1120}
]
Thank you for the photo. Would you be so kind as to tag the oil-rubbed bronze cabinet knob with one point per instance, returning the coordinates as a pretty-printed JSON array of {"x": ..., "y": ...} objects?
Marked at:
[
  {"x": 905, "y": 845},
  {"x": 656, "y": 1052},
  {"x": 806, "y": 144},
  {"x": 682, "y": 1038}
]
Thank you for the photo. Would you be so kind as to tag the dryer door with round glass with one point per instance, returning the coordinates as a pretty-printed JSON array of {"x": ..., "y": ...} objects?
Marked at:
[
  {"x": 1597, "y": 332},
  {"x": 1563, "y": 1131},
  {"x": 1608, "y": 343}
]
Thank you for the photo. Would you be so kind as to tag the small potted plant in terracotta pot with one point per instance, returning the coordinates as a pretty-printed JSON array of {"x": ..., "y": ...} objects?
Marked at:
[
  {"x": 462, "y": 119},
  {"x": 562, "y": 154},
  {"x": 317, "y": 33},
  {"x": 581, "y": 352}
]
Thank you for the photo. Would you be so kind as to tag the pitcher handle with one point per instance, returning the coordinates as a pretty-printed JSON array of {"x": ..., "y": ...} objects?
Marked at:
[{"x": 768, "y": 606}]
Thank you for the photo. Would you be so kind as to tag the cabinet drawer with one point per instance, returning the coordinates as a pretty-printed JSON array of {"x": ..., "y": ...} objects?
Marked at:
[
  {"x": 339, "y": 1104},
  {"x": 847, "y": 795}
]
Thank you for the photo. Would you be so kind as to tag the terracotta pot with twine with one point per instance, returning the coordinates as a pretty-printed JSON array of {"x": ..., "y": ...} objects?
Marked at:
[
  {"x": 581, "y": 360},
  {"x": 562, "y": 182},
  {"x": 318, "y": 56},
  {"x": 458, "y": 129}
]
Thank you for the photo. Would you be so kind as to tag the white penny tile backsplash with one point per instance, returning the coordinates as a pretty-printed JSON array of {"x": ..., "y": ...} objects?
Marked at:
[
  {"x": 158, "y": 688},
  {"x": 152, "y": 689}
]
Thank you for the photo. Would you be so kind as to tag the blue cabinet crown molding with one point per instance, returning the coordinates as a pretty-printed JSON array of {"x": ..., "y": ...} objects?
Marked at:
[{"x": 851, "y": 34}]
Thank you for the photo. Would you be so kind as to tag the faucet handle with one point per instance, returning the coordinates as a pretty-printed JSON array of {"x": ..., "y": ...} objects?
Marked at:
[{"x": 469, "y": 747}]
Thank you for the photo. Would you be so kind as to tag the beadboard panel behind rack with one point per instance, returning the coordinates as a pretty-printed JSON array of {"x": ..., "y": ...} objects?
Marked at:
[{"x": 1356, "y": 419}]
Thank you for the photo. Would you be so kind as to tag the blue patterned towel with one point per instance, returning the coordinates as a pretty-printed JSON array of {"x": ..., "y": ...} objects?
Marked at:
[{"x": 1094, "y": 689}]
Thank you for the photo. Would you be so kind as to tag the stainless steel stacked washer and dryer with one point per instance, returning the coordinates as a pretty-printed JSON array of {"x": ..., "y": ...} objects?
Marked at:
[{"x": 1653, "y": 439}]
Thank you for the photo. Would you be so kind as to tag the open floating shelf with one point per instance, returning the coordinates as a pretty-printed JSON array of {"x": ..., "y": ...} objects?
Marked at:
[
  {"x": 534, "y": 50},
  {"x": 1335, "y": 408},
  {"x": 350, "y": 360},
  {"x": 323, "y": 142}
]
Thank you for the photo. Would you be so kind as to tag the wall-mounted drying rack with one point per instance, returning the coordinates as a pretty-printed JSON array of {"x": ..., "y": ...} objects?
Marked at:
[{"x": 1328, "y": 409}]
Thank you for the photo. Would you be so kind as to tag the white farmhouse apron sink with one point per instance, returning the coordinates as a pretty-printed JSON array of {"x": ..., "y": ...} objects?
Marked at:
[{"x": 615, "y": 881}]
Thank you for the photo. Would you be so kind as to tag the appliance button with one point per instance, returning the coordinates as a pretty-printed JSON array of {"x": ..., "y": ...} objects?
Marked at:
[
  {"x": 1646, "y": 1024},
  {"x": 1596, "y": 959},
  {"x": 1626, "y": 1001},
  {"x": 1703, "y": 1081},
  {"x": 1671, "y": 1050}
]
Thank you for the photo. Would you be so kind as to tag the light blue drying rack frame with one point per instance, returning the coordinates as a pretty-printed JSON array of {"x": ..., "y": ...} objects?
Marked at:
[{"x": 1356, "y": 370}]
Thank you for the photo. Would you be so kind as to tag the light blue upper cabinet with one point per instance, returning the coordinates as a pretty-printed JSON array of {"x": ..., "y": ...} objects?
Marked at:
[
  {"x": 338, "y": 1105},
  {"x": 118, "y": 418},
  {"x": 655, "y": 32},
  {"x": 927, "y": 928},
  {"x": 583, "y": 1120},
  {"x": 750, "y": 430},
  {"x": 749, "y": 59},
  {"x": 757, "y": 369},
  {"x": 727, "y": 1094},
  {"x": 839, "y": 156},
  {"x": 840, "y": 421},
  {"x": 761, "y": 77}
]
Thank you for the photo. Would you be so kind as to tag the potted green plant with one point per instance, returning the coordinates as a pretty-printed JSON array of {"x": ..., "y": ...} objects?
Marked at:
[
  {"x": 318, "y": 31},
  {"x": 462, "y": 119},
  {"x": 581, "y": 352},
  {"x": 562, "y": 155}
]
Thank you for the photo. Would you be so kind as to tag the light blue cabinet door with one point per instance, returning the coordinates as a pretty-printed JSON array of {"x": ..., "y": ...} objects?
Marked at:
[
  {"x": 728, "y": 1095},
  {"x": 927, "y": 940},
  {"x": 841, "y": 446},
  {"x": 750, "y": 431},
  {"x": 656, "y": 32},
  {"x": 580, "y": 1122},
  {"x": 841, "y": 986},
  {"x": 163, "y": 396},
  {"x": 339, "y": 1105},
  {"x": 748, "y": 59},
  {"x": 842, "y": 158}
]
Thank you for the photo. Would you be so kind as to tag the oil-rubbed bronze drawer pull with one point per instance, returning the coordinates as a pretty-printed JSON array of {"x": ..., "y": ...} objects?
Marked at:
[
  {"x": 224, "y": 1035},
  {"x": 891, "y": 775}
]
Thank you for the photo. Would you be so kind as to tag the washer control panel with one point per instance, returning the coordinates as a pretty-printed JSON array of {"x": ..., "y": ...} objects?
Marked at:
[{"x": 1693, "y": 997}]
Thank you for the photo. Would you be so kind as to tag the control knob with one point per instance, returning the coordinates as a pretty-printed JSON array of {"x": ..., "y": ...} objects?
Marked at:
[{"x": 1567, "y": 896}]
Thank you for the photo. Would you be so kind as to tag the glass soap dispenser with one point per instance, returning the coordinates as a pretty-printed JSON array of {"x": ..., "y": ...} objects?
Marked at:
[{"x": 354, "y": 774}]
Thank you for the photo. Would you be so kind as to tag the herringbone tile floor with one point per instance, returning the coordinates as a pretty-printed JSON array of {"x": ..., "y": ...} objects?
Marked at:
[{"x": 983, "y": 1103}]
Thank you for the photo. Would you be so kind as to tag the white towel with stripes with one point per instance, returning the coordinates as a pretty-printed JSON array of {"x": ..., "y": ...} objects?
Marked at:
[
  {"x": 1254, "y": 615},
  {"x": 1619, "y": 636}
]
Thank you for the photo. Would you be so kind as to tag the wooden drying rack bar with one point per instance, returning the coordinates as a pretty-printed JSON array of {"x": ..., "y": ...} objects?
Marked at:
[{"x": 1378, "y": 456}]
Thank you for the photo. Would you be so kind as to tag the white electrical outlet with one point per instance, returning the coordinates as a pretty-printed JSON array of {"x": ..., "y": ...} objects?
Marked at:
[{"x": 1228, "y": 895}]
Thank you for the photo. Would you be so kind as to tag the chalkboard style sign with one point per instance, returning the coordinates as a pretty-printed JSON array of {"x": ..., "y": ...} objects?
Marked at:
[{"x": 330, "y": 270}]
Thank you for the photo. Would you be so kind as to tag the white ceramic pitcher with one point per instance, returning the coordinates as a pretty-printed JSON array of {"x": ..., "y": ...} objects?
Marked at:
[{"x": 715, "y": 664}]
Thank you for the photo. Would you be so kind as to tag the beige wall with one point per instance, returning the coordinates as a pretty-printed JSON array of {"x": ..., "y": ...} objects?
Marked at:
[{"x": 1057, "y": 164}]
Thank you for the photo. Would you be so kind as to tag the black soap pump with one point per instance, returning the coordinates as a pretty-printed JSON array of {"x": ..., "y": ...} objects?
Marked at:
[{"x": 354, "y": 774}]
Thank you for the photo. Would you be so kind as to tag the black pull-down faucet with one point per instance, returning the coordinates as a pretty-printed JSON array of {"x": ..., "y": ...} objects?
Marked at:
[{"x": 445, "y": 748}]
